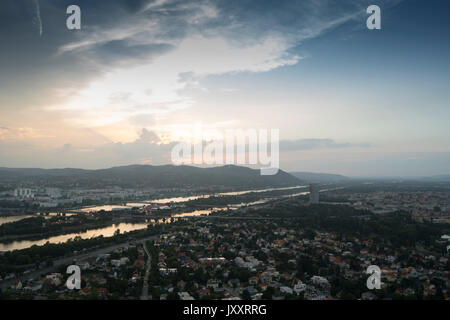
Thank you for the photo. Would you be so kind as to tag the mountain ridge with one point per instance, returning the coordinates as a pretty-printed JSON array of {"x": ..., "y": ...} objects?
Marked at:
[
  {"x": 318, "y": 177},
  {"x": 148, "y": 176}
]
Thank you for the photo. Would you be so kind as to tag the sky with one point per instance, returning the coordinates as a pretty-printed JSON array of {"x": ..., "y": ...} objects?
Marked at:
[{"x": 140, "y": 74}]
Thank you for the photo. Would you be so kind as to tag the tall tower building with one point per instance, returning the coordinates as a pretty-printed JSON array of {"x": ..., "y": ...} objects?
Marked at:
[{"x": 313, "y": 194}]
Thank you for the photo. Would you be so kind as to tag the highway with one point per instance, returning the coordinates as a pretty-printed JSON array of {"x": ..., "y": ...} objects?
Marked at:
[
  {"x": 144, "y": 295},
  {"x": 66, "y": 261}
]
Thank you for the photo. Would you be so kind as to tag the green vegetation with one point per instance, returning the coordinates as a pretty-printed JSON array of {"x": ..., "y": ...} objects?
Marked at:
[
  {"x": 224, "y": 200},
  {"x": 396, "y": 229}
]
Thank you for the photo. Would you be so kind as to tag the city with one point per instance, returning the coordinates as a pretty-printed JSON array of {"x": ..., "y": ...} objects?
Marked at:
[
  {"x": 253, "y": 244},
  {"x": 224, "y": 159}
]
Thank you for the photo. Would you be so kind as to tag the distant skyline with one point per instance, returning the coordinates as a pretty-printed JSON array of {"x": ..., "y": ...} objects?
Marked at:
[{"x": 123, "y": 89}]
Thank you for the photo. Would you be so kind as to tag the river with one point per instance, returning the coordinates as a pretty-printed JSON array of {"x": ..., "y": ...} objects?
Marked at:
[
  {"x": 127, "y": 227},
  {"x": 106, "y": 232},
  {"x": 178, "y": 199},
  {"x": 4, "y": 220}
]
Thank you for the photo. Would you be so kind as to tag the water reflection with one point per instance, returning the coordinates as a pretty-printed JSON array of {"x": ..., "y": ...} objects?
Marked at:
[
  {"x": 105, "y": 208},
  {"x": 106, "y": 232},
  {"x": 4, "y": 220}
]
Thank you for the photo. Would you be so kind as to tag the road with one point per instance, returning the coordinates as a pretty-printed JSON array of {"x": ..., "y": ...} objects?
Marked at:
[
  {"x": 235, "y": 218},
  {"x": 144, "y": 295},
  {"x": 68, "y": 261}
]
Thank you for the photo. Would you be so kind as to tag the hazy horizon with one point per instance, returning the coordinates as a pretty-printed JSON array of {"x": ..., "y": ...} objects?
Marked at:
[{"x": 217, "y": 166}]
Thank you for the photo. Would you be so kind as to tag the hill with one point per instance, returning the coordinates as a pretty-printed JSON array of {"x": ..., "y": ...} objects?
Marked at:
[
  {"x": 319, "y": 177},
  {"x": 147, "y": 176}
]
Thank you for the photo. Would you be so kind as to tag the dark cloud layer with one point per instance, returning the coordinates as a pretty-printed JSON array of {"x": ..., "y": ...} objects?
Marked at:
[{"x": 31, "y": 65}]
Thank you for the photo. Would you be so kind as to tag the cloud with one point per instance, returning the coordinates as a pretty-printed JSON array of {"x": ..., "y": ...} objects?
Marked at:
[
  {"x": 38, "y": 17},
  {"x": 135, "y": 63},
  {"x": 148, "y": 148},
  {"x": 22, "y": 133},
  {"x": 354, "y": 163},
  {"x": 156, "y": 43},
  {"x": 149, "y": 137},
  {"x": 150, "y": 40},
  {"x": 310, "y": 144}
]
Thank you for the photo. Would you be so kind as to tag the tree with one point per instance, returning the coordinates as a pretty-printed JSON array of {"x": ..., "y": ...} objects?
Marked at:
[
  {"x": 246, "y": 295},
  {"x": 268, "y": 293}
]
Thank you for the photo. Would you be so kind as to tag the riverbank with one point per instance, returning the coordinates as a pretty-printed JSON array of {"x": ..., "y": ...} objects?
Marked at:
[{"x": 201, "y": 205}]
